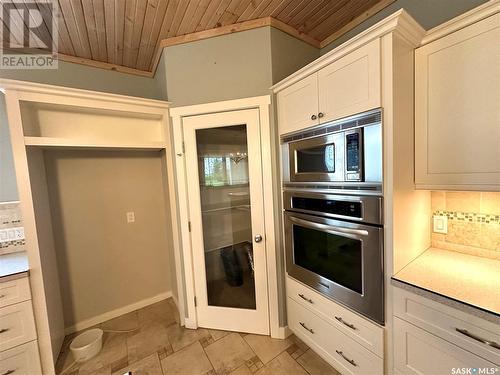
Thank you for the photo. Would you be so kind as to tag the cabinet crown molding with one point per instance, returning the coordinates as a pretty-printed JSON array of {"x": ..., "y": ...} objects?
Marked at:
[
  {"x": 400, "y": 23},
  {"x": 468, "y": 18}
]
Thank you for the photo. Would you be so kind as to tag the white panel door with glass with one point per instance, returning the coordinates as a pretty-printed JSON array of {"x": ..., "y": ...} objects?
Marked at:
[{"x": 224, "y": 178}]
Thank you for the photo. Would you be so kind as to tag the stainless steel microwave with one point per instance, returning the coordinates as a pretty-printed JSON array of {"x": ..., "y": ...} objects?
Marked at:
[{"x": 343, "y": 151}]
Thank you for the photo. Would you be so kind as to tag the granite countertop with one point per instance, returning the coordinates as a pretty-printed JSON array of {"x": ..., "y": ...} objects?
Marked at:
[
  {"x": 13, "y": 264},
  {"x": 467, "y": 279}
]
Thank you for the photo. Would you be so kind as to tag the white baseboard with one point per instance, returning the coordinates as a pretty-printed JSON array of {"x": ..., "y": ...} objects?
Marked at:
[
  {"x": 281, "y": 333},
  {"x": 116, "y": 313},
  {"x": 176, "y": 301},
  {"x": 190, "y": 323}
]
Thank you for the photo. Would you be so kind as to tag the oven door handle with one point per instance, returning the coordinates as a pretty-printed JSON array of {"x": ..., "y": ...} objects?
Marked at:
[{"x": 348, "y": 232}]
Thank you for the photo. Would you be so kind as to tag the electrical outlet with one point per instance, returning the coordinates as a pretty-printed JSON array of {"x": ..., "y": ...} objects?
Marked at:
[
  {"x": 440, "y": 224},
  {"x": 130, "y": 217}
]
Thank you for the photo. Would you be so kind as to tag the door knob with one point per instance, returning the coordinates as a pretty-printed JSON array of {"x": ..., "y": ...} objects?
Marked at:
[
  {"x": 321, "y": 114},
  {"x": 314, "y": 117},
  {"x": 258, "y": 238}
]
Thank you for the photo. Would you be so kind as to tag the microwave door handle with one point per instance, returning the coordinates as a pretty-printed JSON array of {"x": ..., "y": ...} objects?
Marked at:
[{"x": 329, "y": 229}]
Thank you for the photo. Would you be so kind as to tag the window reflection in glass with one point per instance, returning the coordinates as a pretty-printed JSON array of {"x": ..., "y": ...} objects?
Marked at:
[{"x": 316, "y": 159}]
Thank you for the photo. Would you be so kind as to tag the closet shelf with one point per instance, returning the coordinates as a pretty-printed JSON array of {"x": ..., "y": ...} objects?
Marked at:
[
  {"x": 245, "y": 207},
  {"x": 49, "y": 142}
]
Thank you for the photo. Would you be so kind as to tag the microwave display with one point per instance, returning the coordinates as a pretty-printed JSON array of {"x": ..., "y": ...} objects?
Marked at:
[
  {"x": 316, "y": 159},
  {"x": 352, "y": 152}
]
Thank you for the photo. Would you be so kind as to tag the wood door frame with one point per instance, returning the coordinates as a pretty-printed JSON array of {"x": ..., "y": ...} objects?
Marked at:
[{"x": 185, "y": 279}]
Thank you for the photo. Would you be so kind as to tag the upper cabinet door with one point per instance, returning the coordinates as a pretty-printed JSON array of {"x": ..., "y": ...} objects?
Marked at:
[
  {"x": 351, "y": 84},
  {"x": 457, "y": 109},
  {"x": 298, "y": 105}
]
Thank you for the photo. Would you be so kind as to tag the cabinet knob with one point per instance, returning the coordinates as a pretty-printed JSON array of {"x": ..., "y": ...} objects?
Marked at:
[
  {"x": 314, "y": 117},
  {"x": 321, "y": 114}
]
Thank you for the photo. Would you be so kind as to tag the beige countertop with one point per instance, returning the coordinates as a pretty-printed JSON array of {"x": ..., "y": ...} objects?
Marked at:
[
  {"x": 466, "y": 278},
  {"x": 13, "y": 263}
]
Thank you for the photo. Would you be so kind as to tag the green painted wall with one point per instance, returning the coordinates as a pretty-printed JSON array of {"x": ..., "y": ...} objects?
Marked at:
[
  {"x": 289, "y": 54},
  {"x": 8, "y": 187},
  {"x": 225, "y": 67},
  {"x": 429, "y": 13},
  {"x": 89, "y": 78}
]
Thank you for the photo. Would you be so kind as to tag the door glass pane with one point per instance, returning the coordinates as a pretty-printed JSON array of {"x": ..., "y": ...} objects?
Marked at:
[
  {"x": 226, "y": 218},
  {"x": 334, "y": 257},
  {"x": 316, "y": 159}
]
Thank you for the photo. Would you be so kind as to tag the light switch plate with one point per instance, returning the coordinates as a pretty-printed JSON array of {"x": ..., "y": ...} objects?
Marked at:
[
  {"x": 130, "y": 217},
  {"x": 440, "y": 224}
]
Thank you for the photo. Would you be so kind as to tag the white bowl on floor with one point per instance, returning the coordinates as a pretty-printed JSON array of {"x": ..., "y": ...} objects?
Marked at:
[{"x": 87, "y": 345}]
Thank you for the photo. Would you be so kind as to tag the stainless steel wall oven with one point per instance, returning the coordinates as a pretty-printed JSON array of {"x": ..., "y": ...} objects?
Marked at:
[{"x": 334, "y": 244}]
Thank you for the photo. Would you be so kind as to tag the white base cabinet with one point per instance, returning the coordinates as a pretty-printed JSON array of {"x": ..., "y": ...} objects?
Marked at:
[
  {"x": 18, "y": 338},
  {"x": 349, "y": 342},
  {"x": 21, "y": 360},
  {"x": 431, "y": 338},
  {"x": 419, "y": 352}
]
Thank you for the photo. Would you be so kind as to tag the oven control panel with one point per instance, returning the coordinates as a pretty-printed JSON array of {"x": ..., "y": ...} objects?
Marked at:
[{"x": 12, "y": 237}]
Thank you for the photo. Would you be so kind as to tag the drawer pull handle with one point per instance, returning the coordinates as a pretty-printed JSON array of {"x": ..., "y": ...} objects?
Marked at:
[
  {"x": 314, "y": 117},
  {"x": 3, "y": 330},
  {"x": 321, "y": 114},
  {"x": 464, "y": 332},
  {"x": 306, "y": 328},
  {"x": 351, "y": 361},
  {"x": 8, "y": 372},
  {"x": 351, "y": 326},
  {"x": 305, "y": 298}
]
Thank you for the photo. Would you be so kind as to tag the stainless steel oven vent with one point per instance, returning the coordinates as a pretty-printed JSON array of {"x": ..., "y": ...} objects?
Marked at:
[{"x": 362, "y": 119}]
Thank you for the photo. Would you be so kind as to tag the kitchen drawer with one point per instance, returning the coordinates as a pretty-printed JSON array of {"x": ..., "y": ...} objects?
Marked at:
[
  {"x": 21, "y": 360},
  {"x": 419, "y": 352},
  {"x": 343, "y": 353},
  {"x": 443, "y": 321},
  {"x": 17, "y": 325},
  {"x": 366, "y": 333},
  {"x": 14, "y": 291}
]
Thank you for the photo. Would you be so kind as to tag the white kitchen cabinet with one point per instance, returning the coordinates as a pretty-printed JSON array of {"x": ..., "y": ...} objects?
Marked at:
[
  {"x": 21, "y": 360},
  {"x": 463, "y": 330},
  {"x": 348, "y": 85},
  {"x": 351, "y": 84},
  {"x": 298, "y": 105},
  {"x": 17, "y": 325},
  {"x": 359, "y": 329},
  {"x": 18, "y": 337},
  {"x": 457, "y": 108},
  {"x": 433, "y": 338},
  {"x": 421, "y": 353},
  {"x": 337, "y": 348}
]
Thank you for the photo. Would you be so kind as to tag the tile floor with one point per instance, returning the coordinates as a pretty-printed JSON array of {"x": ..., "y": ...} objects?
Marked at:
[{"x": 160, "y": 346}]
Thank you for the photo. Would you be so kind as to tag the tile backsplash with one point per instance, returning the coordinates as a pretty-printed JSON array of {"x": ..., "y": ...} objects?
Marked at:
[
  {"x": 473, "y": 222},
  {"x": 11, "y": 228}
]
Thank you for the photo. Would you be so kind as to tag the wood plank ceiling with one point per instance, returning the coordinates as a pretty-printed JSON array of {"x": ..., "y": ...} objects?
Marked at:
[{"x": 129, "y": 33}]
